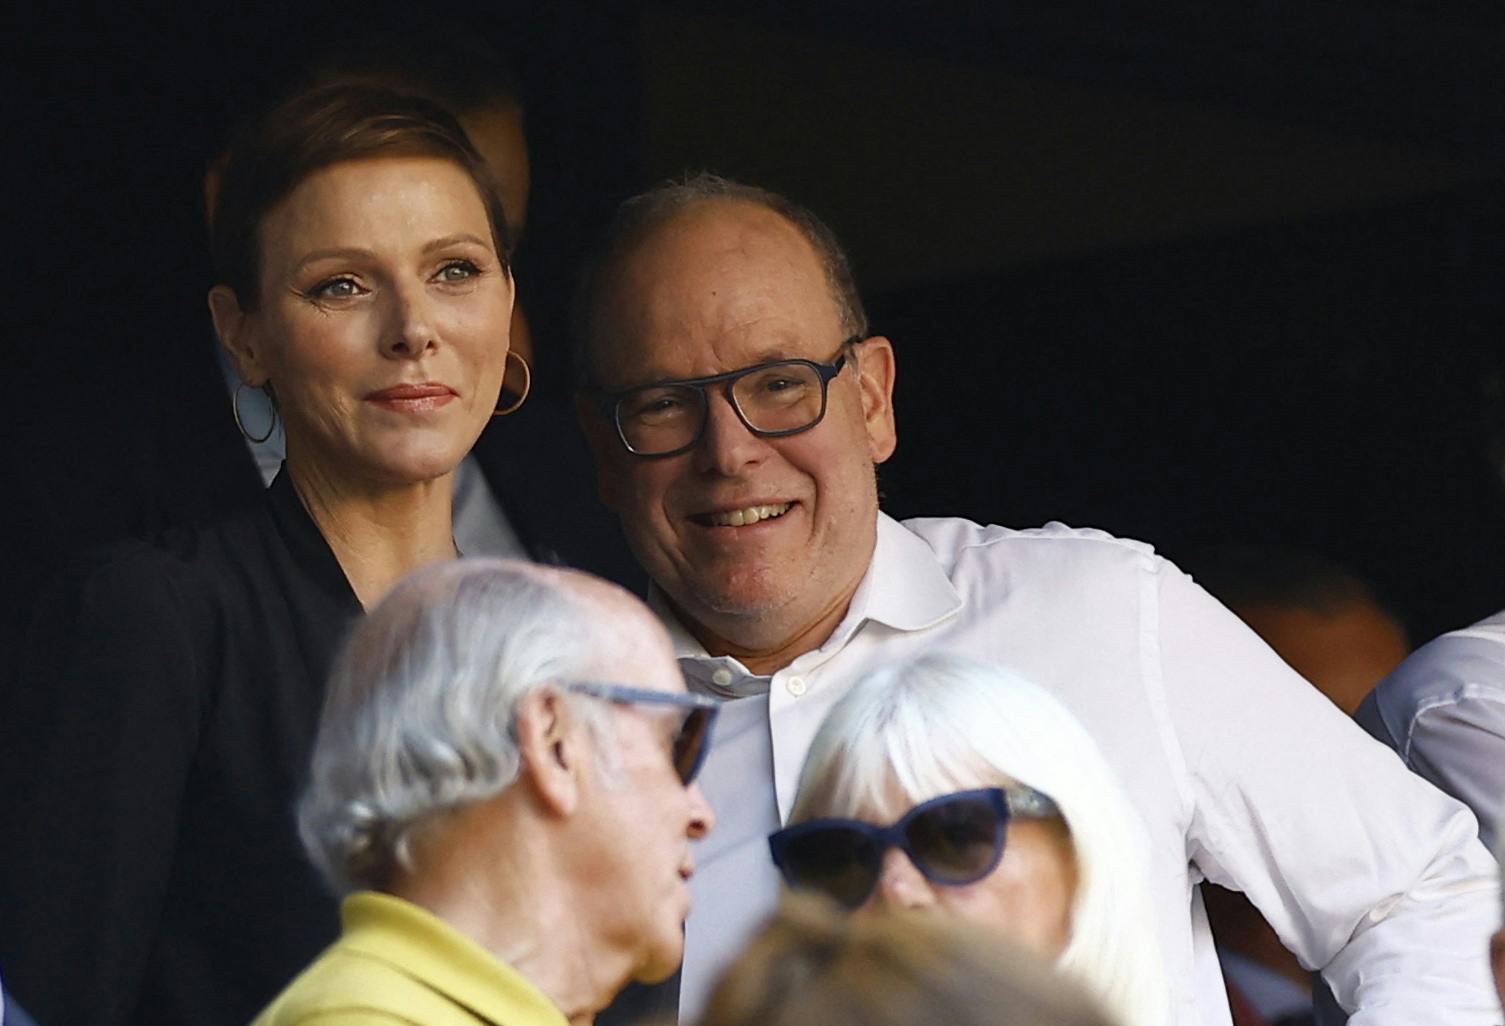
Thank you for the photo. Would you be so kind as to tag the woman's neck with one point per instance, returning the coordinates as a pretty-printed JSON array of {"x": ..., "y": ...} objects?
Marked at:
[{"x": 379, "y": 533}]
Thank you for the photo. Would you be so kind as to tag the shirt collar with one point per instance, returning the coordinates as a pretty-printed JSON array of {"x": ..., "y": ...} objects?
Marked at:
[
  {"x": 423, "y": 946},
  {"x": 904, "y": 587}
]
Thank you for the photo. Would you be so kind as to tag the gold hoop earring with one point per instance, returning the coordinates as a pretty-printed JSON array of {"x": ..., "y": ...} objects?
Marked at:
[
  {"x": 522, "y": 397},
  {"x": 235, "y": 408}
]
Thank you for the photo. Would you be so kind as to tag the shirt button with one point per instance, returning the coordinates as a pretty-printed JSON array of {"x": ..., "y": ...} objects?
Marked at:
[
  {"x": 796, "y": 686},
  {"x": 722, "y": 677}
]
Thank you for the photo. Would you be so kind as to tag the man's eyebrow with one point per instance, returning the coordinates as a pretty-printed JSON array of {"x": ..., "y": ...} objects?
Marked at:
[{"x": 772, "y": 354}]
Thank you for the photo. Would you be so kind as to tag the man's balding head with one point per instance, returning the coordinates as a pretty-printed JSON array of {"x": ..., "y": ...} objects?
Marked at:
[{"x": 656, "y": 210}]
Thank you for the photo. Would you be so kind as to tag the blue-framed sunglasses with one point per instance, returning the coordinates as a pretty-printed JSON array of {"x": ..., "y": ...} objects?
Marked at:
[
  {"x": 691, "y": 741},
  {"x": 953, "y": 840}
]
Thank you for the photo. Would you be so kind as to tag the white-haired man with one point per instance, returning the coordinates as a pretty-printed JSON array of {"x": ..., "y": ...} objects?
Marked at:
[
  {"x": 737, "y": 406},
  {"x": 502, "y": 788}
]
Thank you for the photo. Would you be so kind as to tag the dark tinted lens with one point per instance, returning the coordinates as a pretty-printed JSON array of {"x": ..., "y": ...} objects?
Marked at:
[
  {"x": 690, "y": 744},
  {"x": 840, "y": 862},
  {"x": 956, "y": 841}
]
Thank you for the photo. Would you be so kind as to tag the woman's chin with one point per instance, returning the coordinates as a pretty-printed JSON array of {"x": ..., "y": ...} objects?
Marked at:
[{"x": 395, "y": 468}]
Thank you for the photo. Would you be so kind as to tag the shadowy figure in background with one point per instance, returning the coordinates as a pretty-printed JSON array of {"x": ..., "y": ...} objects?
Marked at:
[
  {"x": 812, "y": 965},
  {"x": 1330, "y": 627},
  {"x": 1321, "y": 618},
  {"x": 502, "y": 790}
]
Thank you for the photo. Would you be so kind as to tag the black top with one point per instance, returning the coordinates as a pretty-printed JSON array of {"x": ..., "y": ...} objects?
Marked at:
[{"x": 152, "y": 751}]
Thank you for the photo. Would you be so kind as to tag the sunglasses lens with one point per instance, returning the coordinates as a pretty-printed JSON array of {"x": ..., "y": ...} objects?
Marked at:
[
  {"x": 690, "y": 744},
  {"x": 839, "y": 862},
  {"x": 956, "y": 841}
]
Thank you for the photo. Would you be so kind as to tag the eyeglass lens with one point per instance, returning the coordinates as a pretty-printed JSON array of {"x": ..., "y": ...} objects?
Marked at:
[
  {"x": 781, "y": 397},
  {"x": 950, "y": 842},
  {"x": 690, "y": 744}
]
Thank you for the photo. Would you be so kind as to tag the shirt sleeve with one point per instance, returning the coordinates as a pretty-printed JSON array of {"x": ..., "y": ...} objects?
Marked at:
[
  {"x": 1459, "y": 745},
  {"x": 1366, "y": 871},
  {"x": 97, "y": 733}
]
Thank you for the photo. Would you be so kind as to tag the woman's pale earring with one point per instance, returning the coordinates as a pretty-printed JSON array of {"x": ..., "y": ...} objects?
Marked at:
[
  {"x": 235, "y": 408},
  {"x": 510, "y": 402}
]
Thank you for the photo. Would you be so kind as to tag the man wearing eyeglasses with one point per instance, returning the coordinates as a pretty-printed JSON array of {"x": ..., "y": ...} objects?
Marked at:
[
  {"x": 502, "y": 789},
  {"x": 738, "y": 405}
]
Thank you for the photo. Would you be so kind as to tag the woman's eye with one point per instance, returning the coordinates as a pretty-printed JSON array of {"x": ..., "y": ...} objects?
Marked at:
[
  {"x": 458, "y": 270},
  {"x": 336, "y": 288}
]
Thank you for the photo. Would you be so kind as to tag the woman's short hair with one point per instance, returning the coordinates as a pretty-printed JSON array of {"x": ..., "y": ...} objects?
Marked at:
[
  {"x": 316, "y": 129},
  {"x": 943, "y": 723},
  {"x": 810, "y": 965},
  {"x": 418, "y": 713}
]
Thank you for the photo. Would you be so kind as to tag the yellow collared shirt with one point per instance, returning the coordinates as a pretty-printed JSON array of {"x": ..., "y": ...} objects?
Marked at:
[{"x": 398, "y": 963}]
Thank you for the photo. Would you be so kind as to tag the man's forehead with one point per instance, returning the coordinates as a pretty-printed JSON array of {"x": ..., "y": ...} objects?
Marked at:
[
  {"x": 720, "y": 286},
  {"x": 728, "y": 229}
]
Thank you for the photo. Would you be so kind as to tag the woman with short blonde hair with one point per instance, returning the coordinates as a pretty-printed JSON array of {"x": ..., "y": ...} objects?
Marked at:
[{"x": 1013, "y": 819}]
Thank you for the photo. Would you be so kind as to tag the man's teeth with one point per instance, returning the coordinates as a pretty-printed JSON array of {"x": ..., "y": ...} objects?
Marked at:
[{"x": 750, "y": 515}]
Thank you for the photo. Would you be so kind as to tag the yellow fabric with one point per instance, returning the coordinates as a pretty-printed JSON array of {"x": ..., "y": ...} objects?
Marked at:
[{"x": 398, "y": 963}]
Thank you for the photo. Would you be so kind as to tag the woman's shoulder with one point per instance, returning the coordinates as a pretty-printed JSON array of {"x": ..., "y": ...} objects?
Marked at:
[
  {"x": 170, "y": 596},
  {"x": 183, "y": 566}
]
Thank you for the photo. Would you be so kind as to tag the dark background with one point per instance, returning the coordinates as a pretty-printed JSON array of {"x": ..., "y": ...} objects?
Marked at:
[{"x": 1190, "y": 272}]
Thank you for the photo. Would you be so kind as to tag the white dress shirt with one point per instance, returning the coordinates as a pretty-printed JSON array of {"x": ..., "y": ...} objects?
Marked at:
[
  {"x": 1443, "y": 710},
  {"x": 1241, "y": 771}
]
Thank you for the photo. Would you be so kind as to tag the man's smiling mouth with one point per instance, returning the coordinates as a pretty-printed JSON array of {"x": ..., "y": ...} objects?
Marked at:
[{"x": 742, "y": 517}]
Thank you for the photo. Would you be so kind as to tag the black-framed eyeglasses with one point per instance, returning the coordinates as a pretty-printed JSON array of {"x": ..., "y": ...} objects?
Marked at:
[
  {"x": 691, "y": 741},
  {"x": 953, "y": 840},
  {"x": 773, "y": 399}
]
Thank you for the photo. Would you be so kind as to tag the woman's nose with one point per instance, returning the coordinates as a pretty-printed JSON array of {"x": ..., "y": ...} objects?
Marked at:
[
  {"x": 900, "y": 885},
  {"x": 410, "y": 330}
]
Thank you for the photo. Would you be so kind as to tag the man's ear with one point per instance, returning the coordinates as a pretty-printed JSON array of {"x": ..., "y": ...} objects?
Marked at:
[
  {"x": 236, "y": 330},
  {"x": 605, "y": 447},
  {"x": 876, "y": 372},
  {"x": 554, "y": 753}
]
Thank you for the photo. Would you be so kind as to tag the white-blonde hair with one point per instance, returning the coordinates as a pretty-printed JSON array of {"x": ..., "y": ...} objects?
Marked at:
[{"x": 943, "y": 723}]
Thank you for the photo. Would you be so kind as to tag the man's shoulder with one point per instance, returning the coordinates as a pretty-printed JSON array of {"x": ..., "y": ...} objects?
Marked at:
[
  {"x": 350, "y": 986},
  {"x": 958, "y": 539}
]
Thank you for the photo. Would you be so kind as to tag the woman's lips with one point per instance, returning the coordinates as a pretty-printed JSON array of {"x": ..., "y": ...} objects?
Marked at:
[{"x": 412, "y": 398}]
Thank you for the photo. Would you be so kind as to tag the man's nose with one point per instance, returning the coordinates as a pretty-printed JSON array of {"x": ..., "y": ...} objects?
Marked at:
[
  {"x": 726, "y": 445},
  {"x": 702, "y": 816},
  {"x": 900, "y": 885},
  {"x": 410, "y": 329}
]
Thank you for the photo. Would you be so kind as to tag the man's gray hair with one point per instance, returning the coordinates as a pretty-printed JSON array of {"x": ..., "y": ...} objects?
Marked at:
[
  {"x": 639, "y": 215},
  {"x": 418, "y": 717}
]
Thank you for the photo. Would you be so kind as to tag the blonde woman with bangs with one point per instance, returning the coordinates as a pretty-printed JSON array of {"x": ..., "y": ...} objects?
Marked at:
[{"x": 955, "y": 785}]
